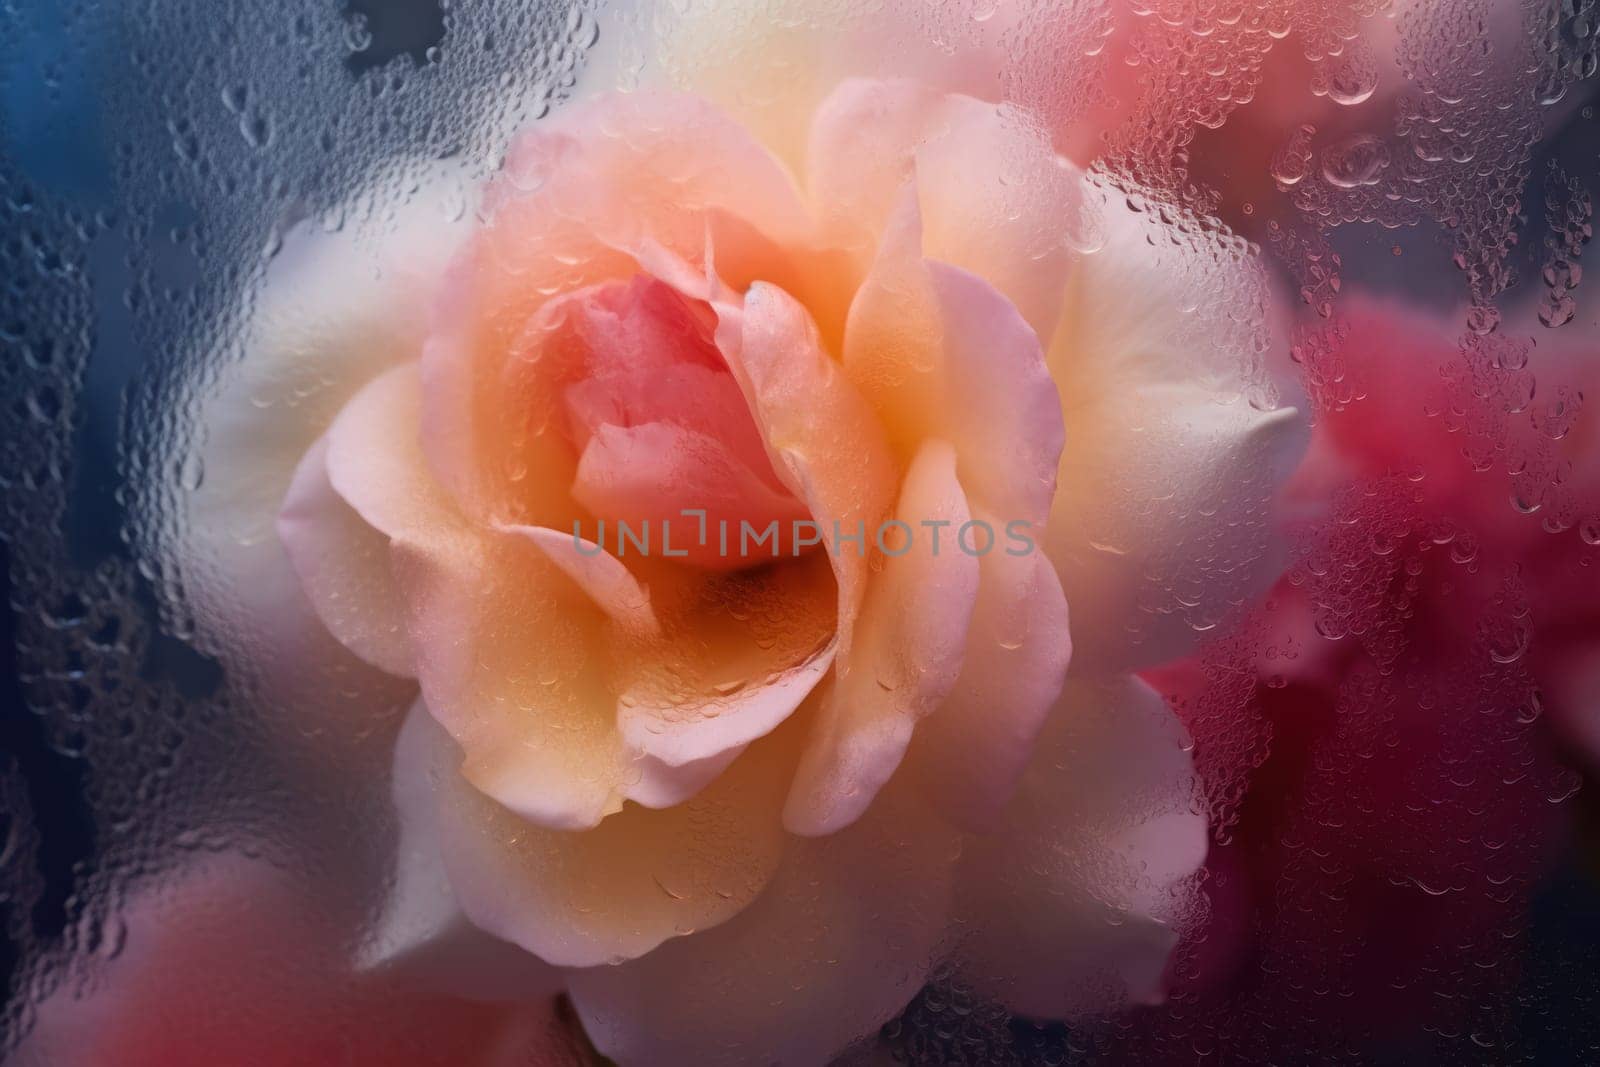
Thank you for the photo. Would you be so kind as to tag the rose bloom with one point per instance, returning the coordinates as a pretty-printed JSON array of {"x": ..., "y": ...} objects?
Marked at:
[
  {"x": 741, "y": 807},
  {"x": 1426, "y": 671},
  {"x": 1494, "y": 438}
]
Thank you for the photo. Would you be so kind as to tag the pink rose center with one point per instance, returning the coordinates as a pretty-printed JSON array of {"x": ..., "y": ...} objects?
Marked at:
[{"x": 661, "y": 427}]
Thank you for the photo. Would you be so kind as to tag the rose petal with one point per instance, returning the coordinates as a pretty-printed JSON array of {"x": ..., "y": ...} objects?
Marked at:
[
  {"x": 647, "y": 475},
  {"x": 905, "y": 657},
  {"x": 611, "y": 586},
  {"x": 732, "y": 673},
  {"x": 724, "y": 673},
  {"x": 606, "y": 894},
  {"x": 423, "y": 939},
  {"x": 995, "y": 199},
  {"x": 675, "y": 738},
  {"x": 824, "y": 440},
  {"x": 555, "y": 699},
  {"x": 364, "y": 482},
  {"x": 509, "y": 652},
  {"x": 647, "y": 354},
  {"x": 343, "y": 567},
  {"x": 694, "y": 694},
  {"x": 839, "y": 941},
  {"x": 578, "y": 190},
  {"x": 660, "y": 423},
  {"x": 940, "y": 352},
  {"x": 375, "y": 459},
  {"x": 1163, "y": 520},
  {"x": 824, "y": 444},
  {"x": 655, "y": 783},
  {"x": 972, "y": 752},
  {"x": 333, "y": 311},
  {"x": 1076, "y": 899}
]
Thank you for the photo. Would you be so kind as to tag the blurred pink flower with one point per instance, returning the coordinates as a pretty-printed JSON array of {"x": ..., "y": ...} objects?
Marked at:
[
  {"x": 1411, "y": 686},
  {"x": 203, "y": 976}
]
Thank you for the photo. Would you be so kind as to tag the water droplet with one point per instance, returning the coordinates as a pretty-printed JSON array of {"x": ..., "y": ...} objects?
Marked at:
[{"x": 1355, "y": 162}]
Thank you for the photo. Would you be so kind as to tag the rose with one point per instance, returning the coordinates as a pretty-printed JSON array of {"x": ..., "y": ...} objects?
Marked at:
[
  {"x": 750, "y": 808},
  {"x": 1419, "y": 672},
  {"x": 1493, "y": 435}
]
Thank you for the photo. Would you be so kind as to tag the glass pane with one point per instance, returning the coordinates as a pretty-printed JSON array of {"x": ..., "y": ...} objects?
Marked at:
[{"x": 700, "y": 531}]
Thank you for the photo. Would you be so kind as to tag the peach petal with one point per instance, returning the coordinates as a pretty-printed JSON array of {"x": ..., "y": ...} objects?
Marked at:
[
  {"x": 842, "y": 937},
  {"x": 995, "y": 199},
  {"x": 940, "y": 352},
  {"x": 521, "y": 665},
  {"x": 825, "y": 442},
  {"x": 738, "y": 654},
  {"x": 375, "y": 459},
  {"x": 655, "y": 783},
  {"x": 972, "y": 752},
  {"x": 611, "y": 893},
  {"x": 678, "y": 742},
  {"x": 509, "y": 655},
  {"x": 680, "y": 733},
  {"x": 486, "y": 708},
  {"x": 611, "y": 586},
  {"x": 1002, "y": 406},
  {"x": 1074, "y": 902},
  {"x": 906, "y": 655},
  {"x": 343, "y": 567}
]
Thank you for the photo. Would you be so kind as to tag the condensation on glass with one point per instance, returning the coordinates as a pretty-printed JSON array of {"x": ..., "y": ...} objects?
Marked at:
[{"x": 159, "y": 157}]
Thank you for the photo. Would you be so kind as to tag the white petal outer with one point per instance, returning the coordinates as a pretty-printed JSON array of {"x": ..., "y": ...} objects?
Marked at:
[
  {"x": 422, "y": 936},
  {"x": 343, "y": 567},
  {"x": 332, "y": 312},
  {"x": 1163, "y": 521},
  {"x": 376, "y": 462},
  {"x": 1074, "y": 902},
  {"x": 836, "y": 945},
  {"x": 995, "y": 199},
  {"x": 905, "y": 657},
  {"x": 610, "y": 893},
  {"x": 971, "y": 752}
]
